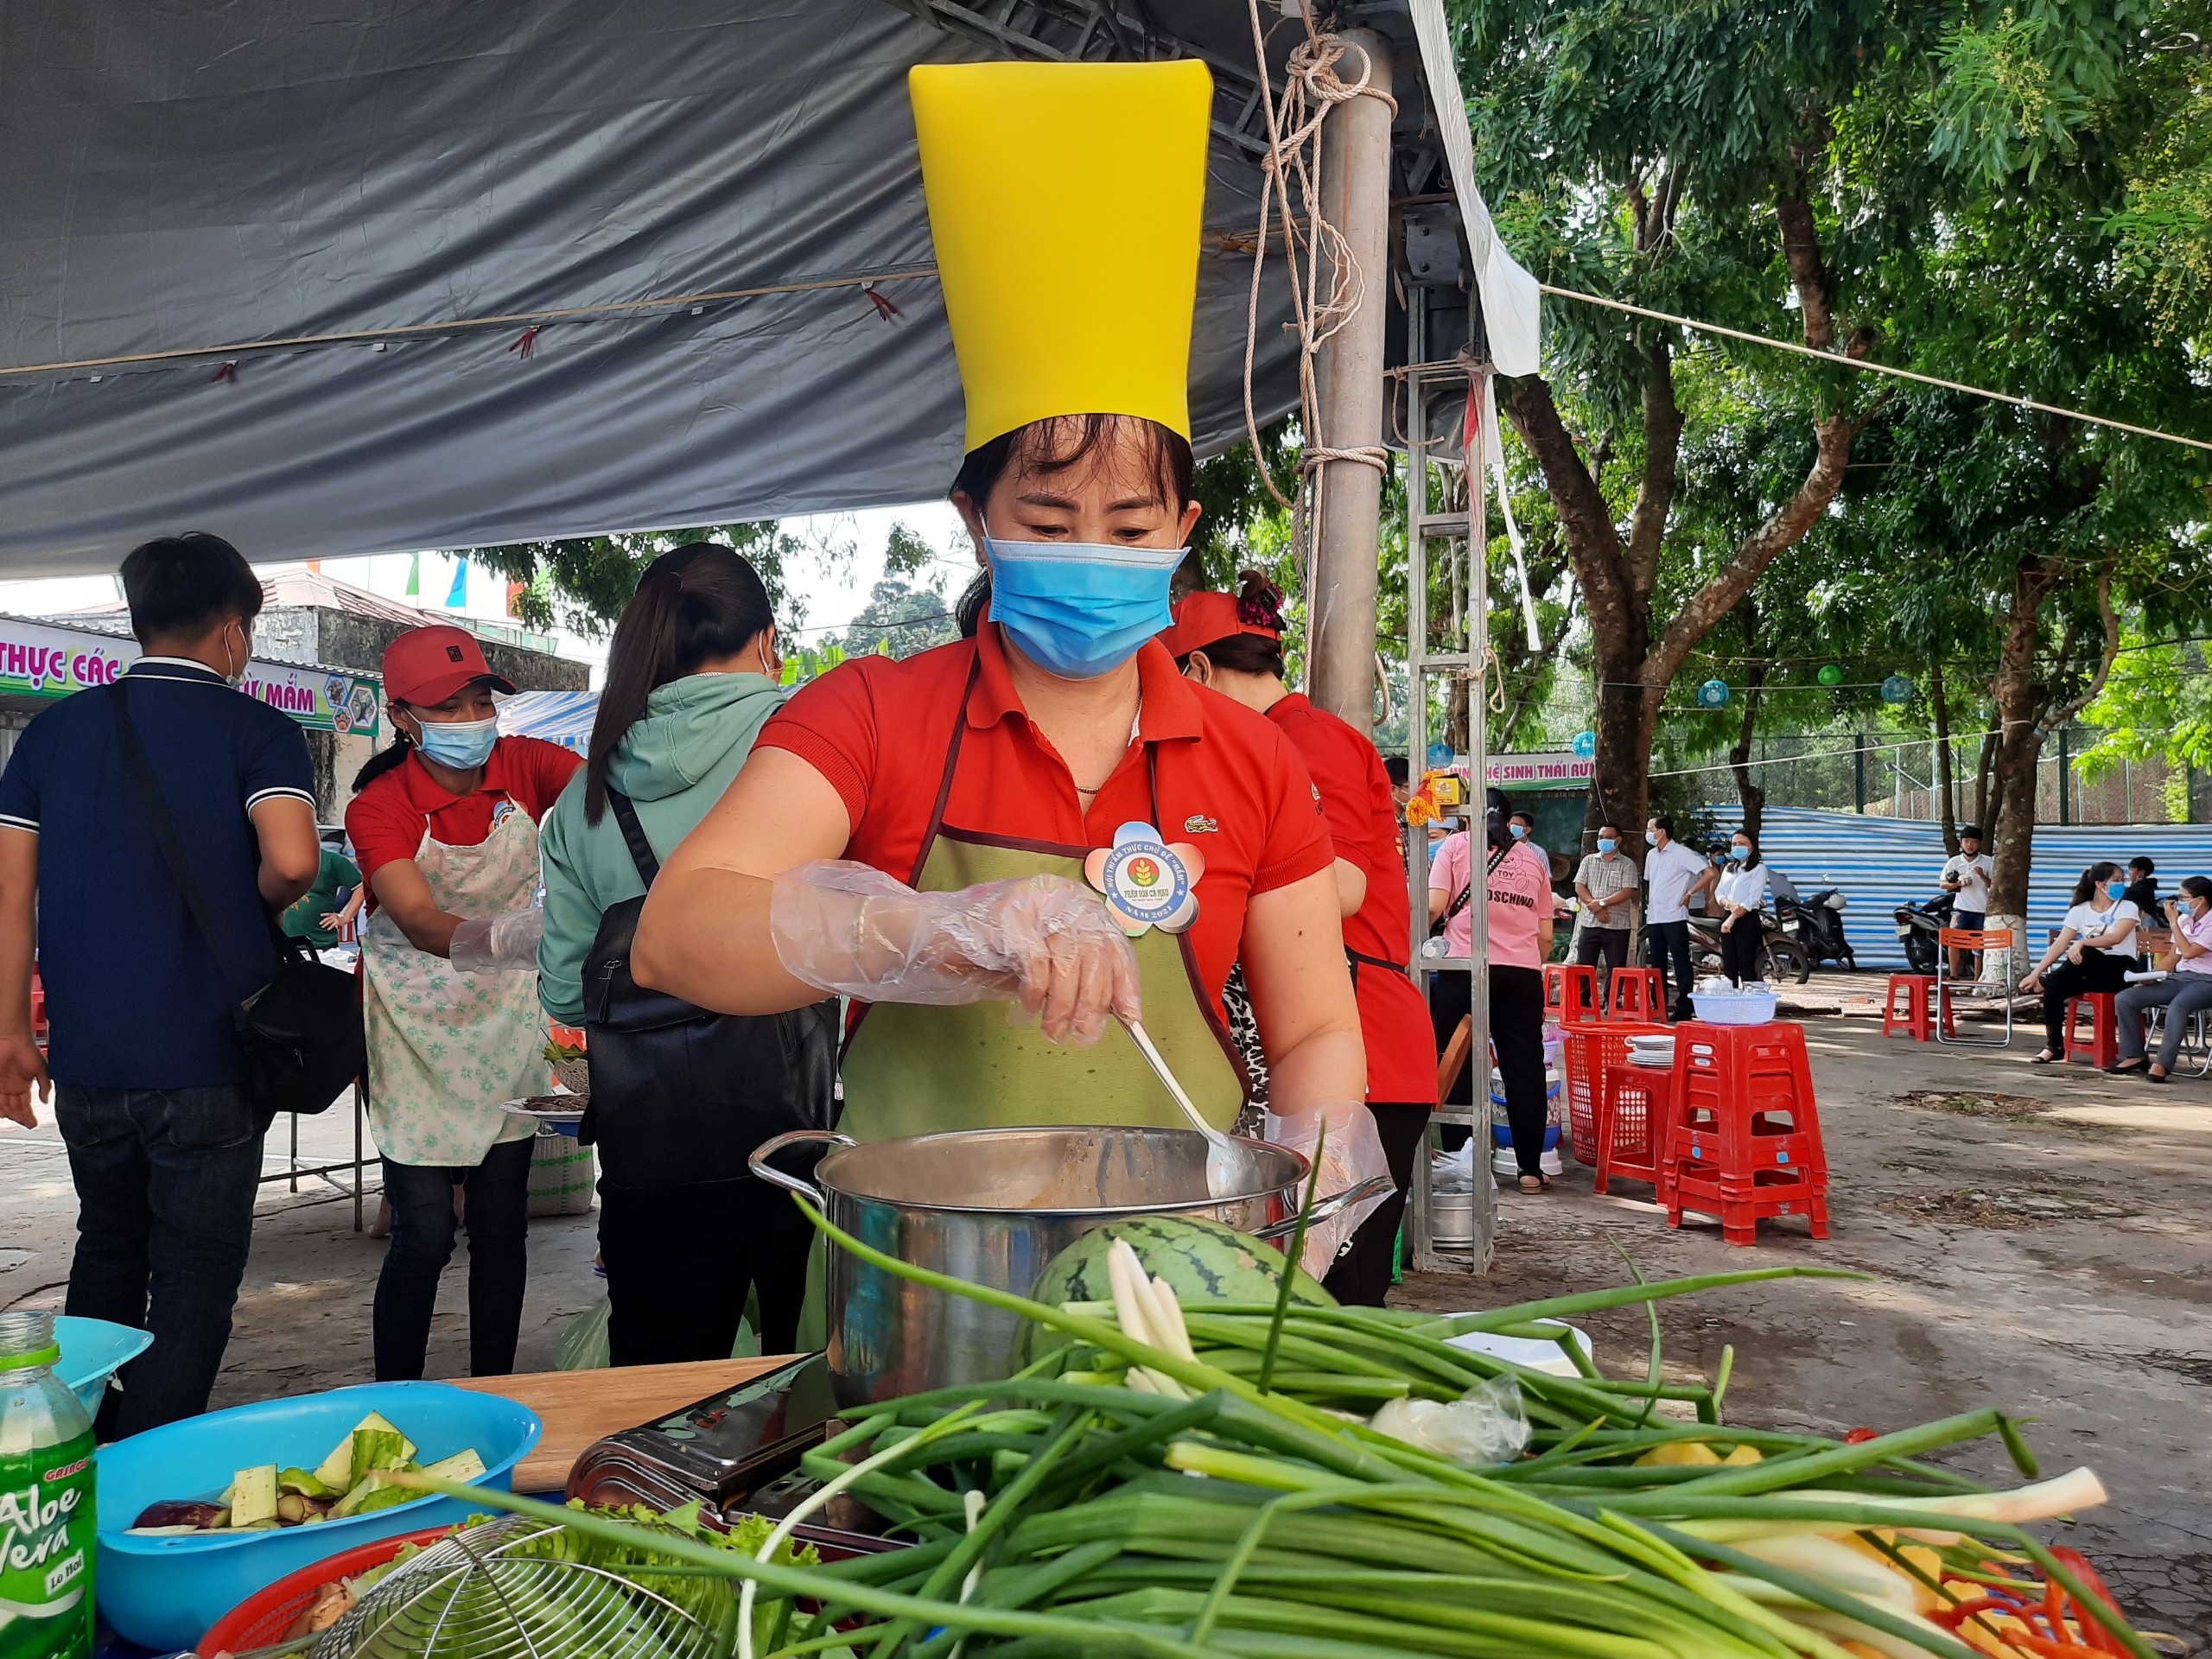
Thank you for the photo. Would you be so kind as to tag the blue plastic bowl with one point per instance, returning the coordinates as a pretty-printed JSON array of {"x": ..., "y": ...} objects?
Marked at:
[
  {"x": 93, "y": 1351},
  {"x": 164, "y": 1593}
]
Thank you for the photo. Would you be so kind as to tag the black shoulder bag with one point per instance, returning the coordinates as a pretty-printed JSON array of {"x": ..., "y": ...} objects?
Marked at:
[
  {"x": 301, "y": 1041},
  {"x": 680, "y": 1095}
]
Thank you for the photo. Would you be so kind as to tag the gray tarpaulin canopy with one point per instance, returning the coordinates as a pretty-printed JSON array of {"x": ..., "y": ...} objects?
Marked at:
[{"x": 343, "y": 276}]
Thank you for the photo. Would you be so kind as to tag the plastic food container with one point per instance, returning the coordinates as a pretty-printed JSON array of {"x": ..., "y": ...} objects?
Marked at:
[
  {"x": 93, "y": 1351},
  {"x": 1735, "y": 1007},
  {"x": 262, "y": 1618},
  {"x": 164, "y": 1593}
]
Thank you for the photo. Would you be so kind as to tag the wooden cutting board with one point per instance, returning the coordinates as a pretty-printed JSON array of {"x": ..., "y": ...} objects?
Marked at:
[{"x": 580, "y": 1407}]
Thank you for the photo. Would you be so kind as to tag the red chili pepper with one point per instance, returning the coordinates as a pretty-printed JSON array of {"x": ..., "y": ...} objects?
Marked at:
[
  {"x": 1860, "y": 1436},
  {"x": 2095, "y": 1635},
  {"x": 1951, "y": 1617}
]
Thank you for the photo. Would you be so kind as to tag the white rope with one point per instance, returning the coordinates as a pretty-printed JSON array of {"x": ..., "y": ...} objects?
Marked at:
[{"x": 1861, "y": 364}]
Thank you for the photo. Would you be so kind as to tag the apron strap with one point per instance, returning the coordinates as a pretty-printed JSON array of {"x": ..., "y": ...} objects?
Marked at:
[{"x": 633, "y": 835}]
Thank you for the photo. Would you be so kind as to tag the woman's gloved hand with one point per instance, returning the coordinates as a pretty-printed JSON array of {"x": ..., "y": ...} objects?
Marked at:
[
  {"x": 1352, "y": 1151},
  {"x": 492, "y": 945},
  {"x": 1042, "y": 941}
]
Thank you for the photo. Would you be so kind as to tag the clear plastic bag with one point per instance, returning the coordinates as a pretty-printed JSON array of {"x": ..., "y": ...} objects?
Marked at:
[
  {"x": 1484, "y": 1426},
  {"x": 1351, "y": 1153}
]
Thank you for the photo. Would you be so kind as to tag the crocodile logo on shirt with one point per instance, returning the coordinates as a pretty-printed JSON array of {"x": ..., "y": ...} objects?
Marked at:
[{"x": 1199, "y": 824}]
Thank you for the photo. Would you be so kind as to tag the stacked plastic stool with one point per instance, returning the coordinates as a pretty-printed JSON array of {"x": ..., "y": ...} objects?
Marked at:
[
  {"x": 1743, "y": 1132},
  {"x": 1637, "y": 995},
  {"x": 1571, "y": 994}
]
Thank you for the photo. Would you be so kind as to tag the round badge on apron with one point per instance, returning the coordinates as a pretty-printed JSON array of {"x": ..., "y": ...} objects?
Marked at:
[{"x": 446, "y": 1049}]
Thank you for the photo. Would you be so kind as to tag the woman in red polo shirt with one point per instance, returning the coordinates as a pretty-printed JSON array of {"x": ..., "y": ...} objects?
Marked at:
[
  {"x": 1233, "y": 644},
  {"x": 444, "y": 825},
  {"x": 921, "y": 836}
]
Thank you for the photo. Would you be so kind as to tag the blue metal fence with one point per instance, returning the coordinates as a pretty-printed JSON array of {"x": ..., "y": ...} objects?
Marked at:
[{"x": 1880, "y": 863}]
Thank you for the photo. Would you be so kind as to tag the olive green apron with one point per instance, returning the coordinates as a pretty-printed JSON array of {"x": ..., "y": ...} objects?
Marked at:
[{"x": 914, "y": 1069}]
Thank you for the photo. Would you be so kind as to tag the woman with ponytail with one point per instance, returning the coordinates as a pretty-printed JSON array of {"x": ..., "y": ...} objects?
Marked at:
[{"x": 680, "y": 1096}]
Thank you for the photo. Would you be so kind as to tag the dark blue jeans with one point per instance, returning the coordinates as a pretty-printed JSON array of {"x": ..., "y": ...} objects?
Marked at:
[
  {"x": 1670, "y": 954},
  {"x": 165, "y": 1183},
  {"x": 496, "y": 1193}
]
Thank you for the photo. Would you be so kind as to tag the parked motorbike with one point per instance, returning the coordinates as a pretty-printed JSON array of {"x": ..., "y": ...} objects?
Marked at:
[
  {"x": 1784, "y": 957},
  {"x": 1816, "y": 924},
  {"x": 1917, "y": 926}
]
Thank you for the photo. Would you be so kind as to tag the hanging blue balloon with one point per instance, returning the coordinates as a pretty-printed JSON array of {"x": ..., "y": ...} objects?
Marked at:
[
  {"x": 1897, "y": 688},
  {"x": 1714, "y": 694},
  {"x": 1585, "y": 745},
  {"x": 1439, "y": 756}
]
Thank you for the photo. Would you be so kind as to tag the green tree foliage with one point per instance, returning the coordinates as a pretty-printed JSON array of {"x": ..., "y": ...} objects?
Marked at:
[
  {"x": 901, "y": 619},
  {"x": 583, "y": 583}
]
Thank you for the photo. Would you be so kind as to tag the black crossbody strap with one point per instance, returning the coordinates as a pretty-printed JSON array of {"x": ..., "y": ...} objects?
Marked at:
[
  {"x": 633, "y": 836},
  {"x": 157, "y": 817}
]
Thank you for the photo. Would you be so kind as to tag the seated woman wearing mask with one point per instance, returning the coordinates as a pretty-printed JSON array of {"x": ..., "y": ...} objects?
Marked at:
[
  {"x": 444, "y": 825},
  {"x": 2184, "y": 992},
  {"x": 2093, "y": 952},
  {"x": 924, "y": 836}
]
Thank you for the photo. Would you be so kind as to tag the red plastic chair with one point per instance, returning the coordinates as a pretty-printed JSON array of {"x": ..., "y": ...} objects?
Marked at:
[
  {"x": 1744, "y": 1136},
  {"x": 1914, "y": 1019},
  {"x": 1637, "y": 994},
  {"x": 2102, "y": 1050},
  {"x": 1570, "y": 993},
  {"x": 1632, "y": 1127}
]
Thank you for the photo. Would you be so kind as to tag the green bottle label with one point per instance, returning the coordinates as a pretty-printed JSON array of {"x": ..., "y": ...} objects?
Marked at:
[{"x": 46, "y": 1551}]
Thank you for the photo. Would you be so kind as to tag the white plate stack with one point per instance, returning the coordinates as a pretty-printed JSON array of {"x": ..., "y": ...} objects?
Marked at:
[{"x": 1656, "y": 1050}]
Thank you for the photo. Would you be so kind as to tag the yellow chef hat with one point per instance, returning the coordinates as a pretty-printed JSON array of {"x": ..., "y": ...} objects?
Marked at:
[{"x": 1065, "y": 201}]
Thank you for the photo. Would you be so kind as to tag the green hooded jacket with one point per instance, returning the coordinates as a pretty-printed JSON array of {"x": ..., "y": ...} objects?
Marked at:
[{"x": 675, "y": 764}]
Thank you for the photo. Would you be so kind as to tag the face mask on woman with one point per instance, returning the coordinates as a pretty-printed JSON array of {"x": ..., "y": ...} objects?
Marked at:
[
  {"x": 2117, "y": 887},
  {"x": 1520, "y": 831},
  {"x": 464, "y": 745},
  {"x": 1078, "y": 609},
  {"x": 1738, "y": 852},
  {"x": 1606, "y": 843}
]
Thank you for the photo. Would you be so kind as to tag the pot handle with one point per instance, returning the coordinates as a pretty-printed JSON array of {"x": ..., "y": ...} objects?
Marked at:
[
  {"x": 759, "y": 1164},
  {"x": 1374, "y": 1186}
]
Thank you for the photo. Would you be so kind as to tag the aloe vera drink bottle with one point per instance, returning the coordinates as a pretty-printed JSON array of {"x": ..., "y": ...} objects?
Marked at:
[{"x": 45, "y": 1499}]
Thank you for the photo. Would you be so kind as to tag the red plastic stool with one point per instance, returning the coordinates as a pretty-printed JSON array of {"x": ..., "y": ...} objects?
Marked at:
[
  {"x": 1744, "y": 1132},
  {"x": 1914, "y": 1019},
  {"x": 2102, "y": 1049},
  {"x": 1570, "y": 993},
  {"x": 1638, "y": 994},
  {"x": 1632, "y": 1126}
]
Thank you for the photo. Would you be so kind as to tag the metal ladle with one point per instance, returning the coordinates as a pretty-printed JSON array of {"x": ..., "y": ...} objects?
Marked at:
[{"x": 1231, "y": 1171}]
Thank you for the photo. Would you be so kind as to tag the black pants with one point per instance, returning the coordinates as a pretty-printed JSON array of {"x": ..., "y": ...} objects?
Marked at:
[
  {"x": 1360, "y": 1276},
  {"x": 497, "y": 1195},
  {"x": 1670, "y": 954},
  {"x": 1742, "y": 951},
  {"x": 1608, "y": 945},
  {"x": 165, "y": 1182},
  {"x": 1517, "y": 1032},
  {"x": 680, "y": 1259},
  {"x": 2095, "y": 972}
]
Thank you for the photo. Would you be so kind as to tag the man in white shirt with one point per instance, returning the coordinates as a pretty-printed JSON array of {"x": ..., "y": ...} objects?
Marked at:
[
  {"x": 1673, "y": 876},
  {"x": 1965, "y": 878}
]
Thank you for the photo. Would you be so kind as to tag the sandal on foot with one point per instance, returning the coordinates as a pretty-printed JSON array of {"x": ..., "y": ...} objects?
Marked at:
[
  {"x": 1532, "y": 1185},
  {"x": 2150, "y": 1075},
  {"x": 2044, "y": 1058},
  {"x": 2128, "y": 1068}
]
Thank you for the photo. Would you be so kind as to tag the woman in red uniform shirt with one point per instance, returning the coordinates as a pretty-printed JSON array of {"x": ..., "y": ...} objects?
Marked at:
[
  {"x": 444, "y": 825},
  {"x": 1233, "y": 643}
]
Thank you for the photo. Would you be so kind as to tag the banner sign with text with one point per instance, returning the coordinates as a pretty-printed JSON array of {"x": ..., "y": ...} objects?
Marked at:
[
  {"x": 40, "y": 660},
  {"x": 1527, "y": 770}
]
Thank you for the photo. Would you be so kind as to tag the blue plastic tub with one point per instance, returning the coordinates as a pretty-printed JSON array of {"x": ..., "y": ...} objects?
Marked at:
[
  {"x": 93, "y": 1351},
  {"x": 164, "y": 1593}
]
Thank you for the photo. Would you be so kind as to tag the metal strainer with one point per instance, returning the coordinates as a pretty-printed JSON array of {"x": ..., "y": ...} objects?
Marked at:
[{"x": 519, "y": 1588}]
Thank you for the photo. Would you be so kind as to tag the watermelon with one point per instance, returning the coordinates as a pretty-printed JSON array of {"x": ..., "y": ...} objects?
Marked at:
[{"x": 1202, "y": 1260}]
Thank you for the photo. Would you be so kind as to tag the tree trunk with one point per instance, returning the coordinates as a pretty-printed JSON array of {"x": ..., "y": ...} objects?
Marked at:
[
  {"x": 1983, "y": 799},
  {"x": 1947, "y": 800},
  {"x": 1620, "y": 784},
  {"x": 1750, "y": 794},
  {"x": 2019, "y": 738}
]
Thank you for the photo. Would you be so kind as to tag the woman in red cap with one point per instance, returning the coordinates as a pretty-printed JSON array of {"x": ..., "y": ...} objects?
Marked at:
[
  {"x": 1233, "y": 643},
  {"x": 444, "y": 824}
]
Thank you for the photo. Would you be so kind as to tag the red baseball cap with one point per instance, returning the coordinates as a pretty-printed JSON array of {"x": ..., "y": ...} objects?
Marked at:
[
  {"x": 424, "y": 666},
  {"x": 1201, "y": 619}
]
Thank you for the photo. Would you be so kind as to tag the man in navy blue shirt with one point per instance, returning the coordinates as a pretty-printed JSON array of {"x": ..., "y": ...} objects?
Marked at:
[{"x": 165, "y": 1145}]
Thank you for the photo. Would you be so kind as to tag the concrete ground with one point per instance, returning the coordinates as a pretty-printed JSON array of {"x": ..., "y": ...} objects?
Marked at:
[
  {"x": 2036, "y": 1236},
  {"x": 2037, "y": 1240}
]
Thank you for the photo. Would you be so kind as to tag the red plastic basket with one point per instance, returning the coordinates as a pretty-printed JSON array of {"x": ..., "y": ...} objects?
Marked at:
[
  {"x": 262, "y": 1618},
  {"x": 1588, "y": 1050}
]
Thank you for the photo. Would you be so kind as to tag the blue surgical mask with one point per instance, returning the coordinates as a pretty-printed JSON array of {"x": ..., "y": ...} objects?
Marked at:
[
  {"x": 1651, "y": 837},
  {"x": 1079, "y": 609},
  {"x": 464, "y": 745},
  {"x": 1606, "y": 843},
  {"x": 2116, "y": 887},
  {"x": 1739, "y": 853},
  {"x": 1520, "y": 831}
]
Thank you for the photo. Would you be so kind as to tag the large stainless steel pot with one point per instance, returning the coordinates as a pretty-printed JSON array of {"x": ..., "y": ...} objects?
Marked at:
[{"x": 994, "y": 1206}]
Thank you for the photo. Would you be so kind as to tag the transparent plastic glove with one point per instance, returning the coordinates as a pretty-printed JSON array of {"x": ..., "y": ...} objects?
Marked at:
[
  {"x": 1042, "y": 942},
  {"x": 1351, "y": 1153},
  {"x": 1485, "y": 1425},
  {"x": 495, "y": 944}
]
